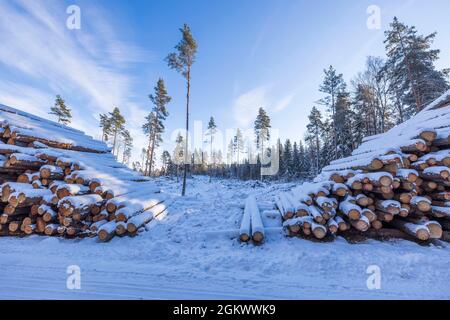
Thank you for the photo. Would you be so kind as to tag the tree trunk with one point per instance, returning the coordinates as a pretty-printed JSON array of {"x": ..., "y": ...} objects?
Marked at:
[
  {"x": 152, "y": 152},
  {"x": 238, "y": 167},
  {"x": 186, "y": 165},
  {"x": 317, "y": 154},
  {"x": 333, "y": 107},
  {"x": 114, "y": 142},
  {"x": 212, "y": 162},
  {"x": 261, "y": 160}
]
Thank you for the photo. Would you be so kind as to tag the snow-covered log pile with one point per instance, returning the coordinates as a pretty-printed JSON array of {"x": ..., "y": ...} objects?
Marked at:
[
  {"x": 57, "y": 181},
  {"x": 396, "y": 183}
]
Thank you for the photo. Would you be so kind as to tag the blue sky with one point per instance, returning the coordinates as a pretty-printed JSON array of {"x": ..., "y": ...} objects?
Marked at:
[{"x": 252, "y": 53}]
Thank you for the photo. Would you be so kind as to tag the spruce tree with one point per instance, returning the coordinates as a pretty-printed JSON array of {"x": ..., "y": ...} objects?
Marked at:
[
  {"x": 166, "y": 160},
  {"x": 332, "y": 86},
  {"x": 61, "y": 111},
  {"x": 296, "y": 160},
  {"x": 305, "y": 163},
  {"x": 313, "y": 135},
  {"x": 154, "y": 125},
  {"x": 411, "y": 67},
  {"x": 262, "y": 131},
  {"x": 327, "y": 144},
  {"x": 182, "y": 61},
  {"x": 343, "y": 126},
  {"x": 288, "y": 158}
]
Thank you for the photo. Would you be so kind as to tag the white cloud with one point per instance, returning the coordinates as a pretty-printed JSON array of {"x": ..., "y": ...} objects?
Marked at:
[
  {"x": 38, "y": 105},
  {"x": 284, "y": 103},
  {"x": 40, "y": 58},
  {"x": 39, "y": 45},
  {"x": 245, "y": 107},
  {"x": 247, "y": 104}
]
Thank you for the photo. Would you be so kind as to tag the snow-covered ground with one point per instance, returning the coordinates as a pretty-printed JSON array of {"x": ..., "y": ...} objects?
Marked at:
[{"x": 179, "y": 258}]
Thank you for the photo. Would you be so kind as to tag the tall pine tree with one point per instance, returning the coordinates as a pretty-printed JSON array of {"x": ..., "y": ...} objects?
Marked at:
[{"x": 182, "y": 61}]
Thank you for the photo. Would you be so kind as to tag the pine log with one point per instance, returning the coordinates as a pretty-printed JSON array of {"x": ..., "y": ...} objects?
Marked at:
[
  {"x": 70, "y": 190},
  {"x": 390, "y": 206},
  {"x": 418, "y": 231},
  {"x": 51, "y": 229},
  {"x": 107, "y": 231},
  {"x": 363, "y": 224},
  {"x": 352, "y": 211}
]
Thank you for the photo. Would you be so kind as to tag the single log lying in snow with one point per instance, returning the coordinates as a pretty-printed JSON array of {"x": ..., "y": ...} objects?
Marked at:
[
  {"x": 245, "y": 229},
  {"x": 256, "y": 224}
]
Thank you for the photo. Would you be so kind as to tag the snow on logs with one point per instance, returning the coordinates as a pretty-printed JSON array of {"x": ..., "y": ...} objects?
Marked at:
[
  {"x": 251, "y": 225},
  {"x": 56, "y": 181},
  {"x": 399, "y": 180}
]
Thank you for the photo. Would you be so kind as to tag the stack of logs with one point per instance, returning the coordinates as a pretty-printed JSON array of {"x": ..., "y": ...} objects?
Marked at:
[
  {"x": 46, "y": 194},
  {"x": 404, "y": 193}
]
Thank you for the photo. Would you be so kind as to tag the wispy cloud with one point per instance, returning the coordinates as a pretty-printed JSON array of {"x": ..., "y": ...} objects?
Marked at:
[
  {"x": 246, "y": 105},
  {"x": 285, "y": 102},
  {"x": 40, "y": 58}
]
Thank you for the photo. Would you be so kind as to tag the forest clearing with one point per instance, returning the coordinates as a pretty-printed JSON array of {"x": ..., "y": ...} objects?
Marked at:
[{"x": 182, "y": 150}]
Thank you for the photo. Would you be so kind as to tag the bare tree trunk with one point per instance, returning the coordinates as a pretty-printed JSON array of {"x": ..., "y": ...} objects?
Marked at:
[
  {"x": 238, "y": 167},
  {"x": 148, "y": 157},
  {"x": 333, "y": 107},
  {"x": 317, "y": 154},
  {"x": 152, "y": 147},
  {"x": 114, "y": 142},
  {"x": 186, "y": 165},
  {"x": 211, "y": 155},
  {"x": 261, "y": 160}
]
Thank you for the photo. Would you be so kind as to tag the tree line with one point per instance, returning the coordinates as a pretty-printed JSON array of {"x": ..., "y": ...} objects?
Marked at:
[{"x": 387, "y": 92}]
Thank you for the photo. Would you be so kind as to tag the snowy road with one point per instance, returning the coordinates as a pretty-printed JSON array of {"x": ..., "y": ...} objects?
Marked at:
[{"x": 175, "y": 261}]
